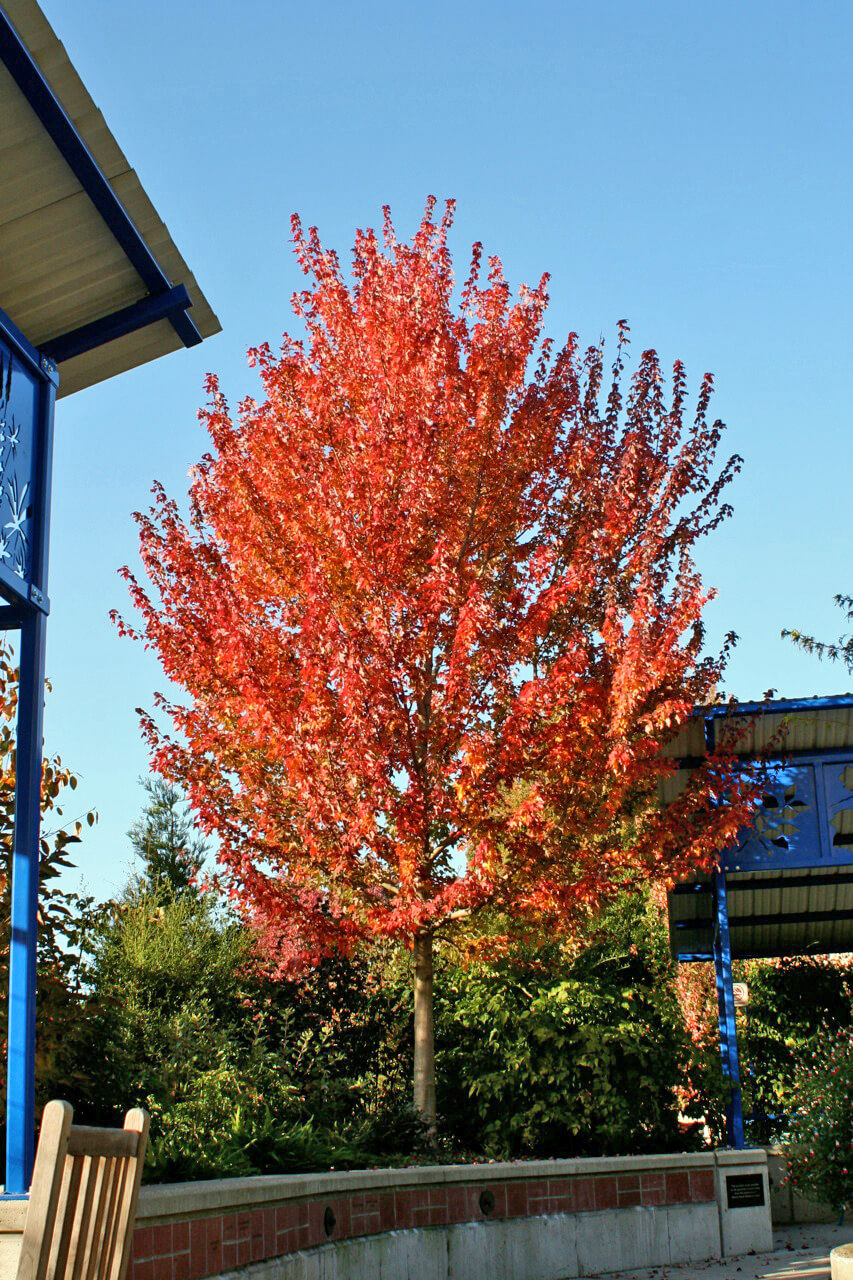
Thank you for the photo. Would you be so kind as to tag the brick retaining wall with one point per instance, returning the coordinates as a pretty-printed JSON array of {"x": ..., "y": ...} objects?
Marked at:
[
  {"x": 193, "y": 1248},
  {"x": 533, "y": 1220}
]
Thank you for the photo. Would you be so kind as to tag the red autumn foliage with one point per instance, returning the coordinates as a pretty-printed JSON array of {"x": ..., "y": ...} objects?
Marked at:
[{"x": 434, "y": 610}]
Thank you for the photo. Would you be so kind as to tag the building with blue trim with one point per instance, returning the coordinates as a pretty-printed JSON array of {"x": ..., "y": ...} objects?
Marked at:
[
  {"x": 91, "y": 284},
  {"x": 786, "y": 888}
]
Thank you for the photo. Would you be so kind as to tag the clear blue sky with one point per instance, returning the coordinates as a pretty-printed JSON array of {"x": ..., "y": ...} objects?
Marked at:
[{"x": 687, "y": 166}]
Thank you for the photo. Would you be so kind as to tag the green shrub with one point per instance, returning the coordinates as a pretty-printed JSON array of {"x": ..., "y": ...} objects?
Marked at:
[
  {"x": 214, "y": 1137},
  {"x": 348, "y": 1027},
  {"x": 546, "y": 1054},
  {"x": 791, "y": 1002},
  {"x": 241, "y": 1074},
  {"x": 173, "y": 982},
  {"x": 819, "y": 1141}
]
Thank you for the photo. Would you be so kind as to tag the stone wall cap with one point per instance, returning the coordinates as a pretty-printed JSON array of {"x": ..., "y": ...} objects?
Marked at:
[
  {"x": 13, "y": 1214},
  {"x": 165, "y": 1200},
  {"x": 750, "y": 1155}
]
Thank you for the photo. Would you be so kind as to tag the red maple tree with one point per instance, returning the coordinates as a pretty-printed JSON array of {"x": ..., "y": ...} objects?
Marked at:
[{"x": 434, "y": 611}]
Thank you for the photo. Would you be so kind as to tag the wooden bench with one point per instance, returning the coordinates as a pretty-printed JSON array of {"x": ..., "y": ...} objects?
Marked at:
[{"x": 82, "y": 1203}]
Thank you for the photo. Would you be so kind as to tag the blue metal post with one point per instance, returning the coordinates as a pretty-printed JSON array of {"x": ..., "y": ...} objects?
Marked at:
[
  {"x": 30, "y": 616},
  {"x": 20, "y": 1076},
  {"x": 726, "y": 1011}
]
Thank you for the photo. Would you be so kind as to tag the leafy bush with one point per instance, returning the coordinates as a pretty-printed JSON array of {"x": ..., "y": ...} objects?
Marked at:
[
  {"x": 241, "y": 1074},
  {"x": 819, "y": 1141},
  {"x": 213, "y": 1136},
  {"x": 348, "y": 1023},
  {"x": 549, "y": 1054},
  {"x": 173, "y": 981},
  {"x": 791, "y": 1002},
  {"x": 545, "y": 1051}
]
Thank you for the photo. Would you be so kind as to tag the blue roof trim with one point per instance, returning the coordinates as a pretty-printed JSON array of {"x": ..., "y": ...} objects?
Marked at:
[
  {"x": 51, "y": 113},
  {"x": 779, "y": 953},
  {"x": 787, "y": 881},
  {"x": 158, "y": 306},
  {"x": 777, "y": 707}
]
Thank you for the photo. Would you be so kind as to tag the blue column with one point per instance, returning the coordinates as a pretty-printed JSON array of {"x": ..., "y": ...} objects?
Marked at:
[
  {"x": 20, "y": 1078},
  {"x": 726, "y": 1012},
  {"x": 29, "y": 614}
]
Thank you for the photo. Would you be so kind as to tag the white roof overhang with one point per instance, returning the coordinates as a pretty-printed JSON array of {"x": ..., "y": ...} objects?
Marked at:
[
  {"x": 789, "y": 883},
  {"x": 88, "y": 271}
]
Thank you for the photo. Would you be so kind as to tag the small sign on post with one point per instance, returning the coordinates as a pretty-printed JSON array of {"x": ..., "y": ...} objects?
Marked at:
[{"x": 741, "y": 992}]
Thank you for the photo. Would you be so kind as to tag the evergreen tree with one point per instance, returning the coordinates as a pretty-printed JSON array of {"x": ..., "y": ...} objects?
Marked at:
[{"x": 164, "y": 838}]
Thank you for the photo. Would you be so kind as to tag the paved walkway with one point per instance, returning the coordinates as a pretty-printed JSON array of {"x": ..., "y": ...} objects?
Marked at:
[{"x": 800, "y": 1253}]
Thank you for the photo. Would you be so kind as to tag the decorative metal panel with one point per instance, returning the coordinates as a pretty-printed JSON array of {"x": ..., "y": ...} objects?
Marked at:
[
  {"x": 20, "y": 393},
  {"x": 838, "y": 791},
  {"x": 804, "y": 818}
]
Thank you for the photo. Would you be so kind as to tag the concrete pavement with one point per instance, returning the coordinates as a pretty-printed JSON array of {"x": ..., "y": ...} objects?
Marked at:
[{"x": 799, "y": 1253}]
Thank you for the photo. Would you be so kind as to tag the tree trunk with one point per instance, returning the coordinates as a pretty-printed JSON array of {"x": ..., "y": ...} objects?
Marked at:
[{"x": 424, "y": 1093}]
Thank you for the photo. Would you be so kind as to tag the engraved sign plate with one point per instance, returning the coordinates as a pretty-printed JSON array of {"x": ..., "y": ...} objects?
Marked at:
[{"x": 745, "y": 1190}]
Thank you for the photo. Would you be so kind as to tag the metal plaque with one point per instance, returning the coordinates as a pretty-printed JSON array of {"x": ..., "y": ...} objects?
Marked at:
[{"x": 745, "y": 1190}]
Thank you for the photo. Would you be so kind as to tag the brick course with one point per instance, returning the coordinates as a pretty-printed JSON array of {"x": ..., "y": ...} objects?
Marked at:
[{"x": 206, "y": 1246}]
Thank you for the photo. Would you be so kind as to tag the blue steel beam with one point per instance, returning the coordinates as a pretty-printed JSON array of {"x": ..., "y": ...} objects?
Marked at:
[
  {"x": 20, "y": 1069},
  {"x": 792, "y": 881},
  {"x": 161, "y": 306},
  {"x": 797, "y": 949},
  {"x": 35, "y": 88},
  {"x": 726, "y": 1012},
  {"x": 42, "y": 488},
  {"x": 722, "y": 950},
  {"x": 15, "y": 591},
  {"x": 32, "y": 621}
]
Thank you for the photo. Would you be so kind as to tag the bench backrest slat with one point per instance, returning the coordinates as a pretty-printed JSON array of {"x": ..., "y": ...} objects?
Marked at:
[{"x": 83, "y": 1198}]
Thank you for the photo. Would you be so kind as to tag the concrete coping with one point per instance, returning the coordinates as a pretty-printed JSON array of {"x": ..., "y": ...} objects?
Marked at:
[
  {"x": 841, "y": 1262},
  {"x": 12, "y": 1215},
  {"x": 749, "y": 1155},
  {"x": 192, "y": 1199}
]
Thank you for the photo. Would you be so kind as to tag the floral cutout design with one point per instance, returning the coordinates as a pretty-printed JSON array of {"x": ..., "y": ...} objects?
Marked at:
[
  {"x": 779, "y": 815},
  {"x": 841, "y": 821},
  {"x": 15, "y": 488}
]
